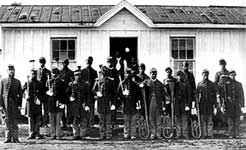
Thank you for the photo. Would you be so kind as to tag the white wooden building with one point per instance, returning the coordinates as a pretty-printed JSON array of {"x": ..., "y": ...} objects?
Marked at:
[{"x": 159, "y": 36}]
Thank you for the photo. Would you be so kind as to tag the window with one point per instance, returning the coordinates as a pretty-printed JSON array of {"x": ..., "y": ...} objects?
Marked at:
[
  {"x": 182, "y": 49},
  {"x": 63, "y": 48}
]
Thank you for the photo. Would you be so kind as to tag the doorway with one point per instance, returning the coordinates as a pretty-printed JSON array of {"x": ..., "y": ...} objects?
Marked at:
[{"x": 125, "y": 47}]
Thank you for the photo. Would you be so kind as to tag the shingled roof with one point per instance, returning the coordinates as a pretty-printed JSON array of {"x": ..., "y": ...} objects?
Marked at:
[{"x": 91, "y": 13}]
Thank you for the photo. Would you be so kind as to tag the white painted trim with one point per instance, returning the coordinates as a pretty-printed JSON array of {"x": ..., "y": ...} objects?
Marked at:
[
  {"x": 124, "y": 4},
  {"x": 1, "y": 39},
  {"x": 194, "y": 26},
  {"x": 62, "y": 36}
]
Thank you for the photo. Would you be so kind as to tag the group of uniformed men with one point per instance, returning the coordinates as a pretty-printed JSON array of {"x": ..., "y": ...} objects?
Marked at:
[{"x": 68, "y": 97}]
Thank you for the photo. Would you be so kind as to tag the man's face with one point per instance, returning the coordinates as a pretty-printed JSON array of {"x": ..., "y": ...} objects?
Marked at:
[
  {"x": 169, "y": 73},
  {"x": 54, "y": 75},
  {"x": 232, "y": 76},
  {"x": 33, "y": 75},
  {"x": 222, "y": 66},
  {"x": 88, "y": 62},
  {"x": 205, "y": 76},
  {"x": 77, "y": 77},
  {"x": 42, "y": 64},
  {"x": 141, "y": 70},
  {"x": 185, "y": 67},
  {"x": 110, "y": 64},
  {"x": 178, "y": 78},
  {"x": 153, "y": 75},
  {"x": 11, "y": 72},
  {"x": 64, "y": 65}
]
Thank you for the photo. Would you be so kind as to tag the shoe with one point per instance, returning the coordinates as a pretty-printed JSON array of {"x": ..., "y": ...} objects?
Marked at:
[
  {"x": 76, "y": 138},
  {"x": 39, "y": 137},
  {"x": 31, "y": 137},
  {"x": 7, "y": 141},
  {"x": 158, "y": 137},
  {"x": 133, "y": 137},
  {"x": 126, "y": 136},
  {"x": 60, "y": 137},
  {"x": 53, "y": 138},
  {"x": 108, "y": 137},
  {"x": 16, "y": 141}
]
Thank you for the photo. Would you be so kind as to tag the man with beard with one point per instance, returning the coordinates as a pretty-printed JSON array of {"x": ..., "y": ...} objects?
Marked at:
[
  {"x": 89, "y": 75},
  {"x": 42, "y": 76},
  {"x": 10, "y": 104}
]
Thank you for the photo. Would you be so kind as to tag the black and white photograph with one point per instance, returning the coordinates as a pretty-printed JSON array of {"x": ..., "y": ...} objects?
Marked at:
[{"x": 122, "y": 74}]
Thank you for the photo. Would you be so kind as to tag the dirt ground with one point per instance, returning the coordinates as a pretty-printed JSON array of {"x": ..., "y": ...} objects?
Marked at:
[
  {"x": 119, "y": 144},
  {"x": 46, "y": 144}
]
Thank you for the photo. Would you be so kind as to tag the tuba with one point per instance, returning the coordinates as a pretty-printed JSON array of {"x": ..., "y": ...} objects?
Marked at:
[
  {"x": 196, "y": 123},
  {"x": 143, "y": 123},
  {"x": 168, "y": 120}
]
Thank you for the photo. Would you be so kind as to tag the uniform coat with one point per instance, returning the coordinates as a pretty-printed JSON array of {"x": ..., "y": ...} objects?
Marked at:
[
  {"x": 207, "y": 90},
  {"x": 59, "y": 93},
  {"x": 80, "y": 93},
  {"x": 42, "y": 77},
  {"x": 15, "y": 92}
]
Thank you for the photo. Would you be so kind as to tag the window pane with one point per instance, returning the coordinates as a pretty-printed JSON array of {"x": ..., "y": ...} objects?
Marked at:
[
  {"x": 55, "y": 45},
  {"x": 180, "y": 65},
  {"x": 182, "y": 54},
  {"x": 174, "y": 44},
  {"x": 175, "y": 54},
  {"x": 63, "y": 55},
  {"x": 71, "y": 44},
  {"x": 176, "y": 65},
  {"x": 190, "y": 65},
  {"x": 55, "y": 54},
  {"x": 182, "y": 44},
  {"x": 71, "y": 55},
  {"x": 63, "y": 45},
  {"x": 190, "y": 44},
  {"x": 190, "y": 54}
]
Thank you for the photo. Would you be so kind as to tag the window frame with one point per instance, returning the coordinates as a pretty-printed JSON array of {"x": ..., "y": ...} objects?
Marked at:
[
  {"x": 63, "y": 38},
  {"x": 173, "y": 60}
]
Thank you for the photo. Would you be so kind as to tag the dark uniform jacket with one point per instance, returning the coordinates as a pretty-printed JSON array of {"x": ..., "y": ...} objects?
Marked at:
[
  {"x": 235, "y": 99},
  {"x": 89, "y": 75},
  {"x": 58, "y": 98},
  {"x": 207, "y": 91},
  {"x": 182, "y": 98},
  {"x": 66, "y": 75},
  {"x": 133, "y": 97},
  {"x": 35, "y": 87},
  {"x": 10, "y": 89},
  {"x": 219, "y": 74},
  {"x": 106, "y": 87},
  {"x": 42, "y": 77},
  {"x": 80, "y": 93},
  {"x": 156, "y": 88}
]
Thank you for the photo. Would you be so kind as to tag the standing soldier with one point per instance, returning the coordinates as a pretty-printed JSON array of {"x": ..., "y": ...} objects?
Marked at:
[
  {"x": 66, "y": 75},
  {"x": 145, "y": 90},
  {"x": 206, "y": 90},
  {"x": 79, "y": 106},
  {"x": 106, "y": 97},
  {"x": 89, "y": 75},
  {"x": 223, "y": 72},
  {"x": 42, "y": 76},
  {"x": 234, "y": 103},
  {"x": 34, "y": 107},
  {"x": 10, "y": 104},
  {"x": 182, "y": 105},
  {"x": 56, "y": 103},
  {"x": 131, "y": 92},
  {"x": 156, "y": 99}
]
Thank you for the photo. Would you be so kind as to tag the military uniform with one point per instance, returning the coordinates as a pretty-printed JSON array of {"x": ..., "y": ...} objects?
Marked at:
[
  {"x": 106, "y": 87},
  {"x": 207, "y": 91},
  {"x": 89, "y": 75},
  {"x": 78, "y": 113},
  {"x": 10, "y": 100},
  {"x": 182, "y": 100},
  {"x": 233, "y": 104},
  {"x": 56, "y": 105},
  {"x": 66, "y": 75},
  {"x": 129, "y": 102},
  {"x": 34, "y": 107},
  {"x": 42, "y": 74},
  {"x": 156, "y": 99}
]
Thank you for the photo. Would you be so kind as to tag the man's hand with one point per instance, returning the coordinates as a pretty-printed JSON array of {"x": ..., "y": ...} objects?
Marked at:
[
  {"x": 187, "y": 108},
  {"x": 163, "y": 108},
  {"x": 215, "y": 111},
  {"x": 87, "y": 108},
  {"x": 141, "y": 85},
  {"x": 126, "y": 92},
  {"x": 99, "y": 94},
  {"x": 19, "y": 107},
  {"x": 1, "y": 108},
  {"x": 241, "y": 117},
  {"x": 112, "y": 107}
]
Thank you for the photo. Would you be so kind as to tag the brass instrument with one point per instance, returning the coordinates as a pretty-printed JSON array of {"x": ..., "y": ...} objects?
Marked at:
[
  {"x": 196, "y": 131},
  {"x": 168, "y": 121},
  {"x": 143, "y": 123}
]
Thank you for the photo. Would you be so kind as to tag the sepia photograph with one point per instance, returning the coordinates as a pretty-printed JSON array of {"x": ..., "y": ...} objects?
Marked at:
[{"x": 122, "y": 74}]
